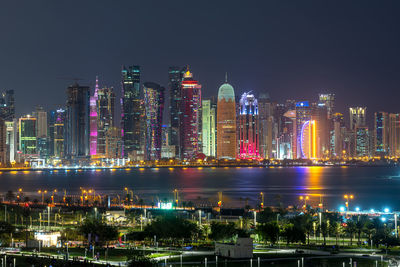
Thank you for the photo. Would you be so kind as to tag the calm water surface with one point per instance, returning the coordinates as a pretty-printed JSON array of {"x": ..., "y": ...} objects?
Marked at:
[{"x": 373, "y": 187}]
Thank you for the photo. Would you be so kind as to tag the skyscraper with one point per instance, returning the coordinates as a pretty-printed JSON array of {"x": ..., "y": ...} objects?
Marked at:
[
  {"x": 329, "y": 101},
  {"x": 394, "y": 135},
  {"x": 362, "y": 141},
  {"x": 3, "y": 143},
  {"x": 175, "y": 76},
  {"x": 154, "y": 109},
  {"x": 41, "y": 122},
  {"x": 7, "y": 108},
  {"x": 27, "y": 137},
  {"x": 131, "y": 112},
  {"x": 93, "y": 120},
  {"x": 59, "y": 129},
  {"x": 358, "y": 117},
  {"x": 105, "y": 117},
  {"x": 303, "y": 115},
  {"x": 266, "y": 110},
  {"x": 226, "y": 122},
  {"x": 208, "y": 128},
  {"x": 190, "y": 105},
  {"x": 11, "y": 139},
  {"x": 248, "y": 127},
  {"x": 381, "y": 133},
  {"x": 77, "y": 126},
  {"x": 336, "y": 135}
]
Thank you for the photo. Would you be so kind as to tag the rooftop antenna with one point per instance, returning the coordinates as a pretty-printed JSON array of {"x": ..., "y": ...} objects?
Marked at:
[{"x": 226, "y": 77}]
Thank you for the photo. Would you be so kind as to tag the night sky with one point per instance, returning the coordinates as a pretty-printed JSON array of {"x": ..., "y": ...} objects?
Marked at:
[{"x": 291, "y": 49}]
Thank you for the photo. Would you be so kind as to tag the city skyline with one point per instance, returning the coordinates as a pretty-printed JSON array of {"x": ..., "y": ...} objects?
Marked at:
[{"x": 327, "y": 56}]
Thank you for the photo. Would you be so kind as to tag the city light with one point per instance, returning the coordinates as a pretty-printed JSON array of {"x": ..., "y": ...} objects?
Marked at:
[
  {"x": 341, "y": 208},
  {"x": 386, "y": 210},
  {"x": 357, "y": 209}
]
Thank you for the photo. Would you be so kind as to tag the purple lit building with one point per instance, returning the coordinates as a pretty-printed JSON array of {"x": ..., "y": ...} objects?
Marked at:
[{"x": 93, "y": 120}]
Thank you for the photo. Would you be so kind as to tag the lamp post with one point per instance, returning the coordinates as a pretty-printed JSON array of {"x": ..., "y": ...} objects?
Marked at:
[
  {"x": 348, "y": 198},
  {"x": 43, "y": 192},
  {"x": 305, "y": 198},
  {"x": 262, "y": 200}
]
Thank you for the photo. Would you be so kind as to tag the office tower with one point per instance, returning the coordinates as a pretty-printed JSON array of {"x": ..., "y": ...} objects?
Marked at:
[
  {"x": 3, "y": 143},
  {"x": 285, "y": 135},
  {"x": 167, "y": 150},
  {"x": 248, "y": 127},
  {"x": 41, "y": 122},
  {"x": 105, "y": 116},
  {"x": 113, "y": 143},
  {"x": 303, "y": 116},
  {"x": 12, "y": 140},
  {"x": 358, "y": 116},
  {"x": 362, "y": 141},
  {"x": 7, "y": 108},
  {"x": 27, "y": 137},
  {"x": 381, "y": 133},
  {"x": 336, "y": 136},
  {"x": 77, "y": 122},
  {"x": 208, "y": 128},
  {"x": 266, "y": 110},
  {"x": 175, "y": 76},
  {"x": 51, "y": 119},
  {"x": 329, "y": 101},
  {"x": 93, "y": 120},
  {"x": 226, "y": 122},
  {"x": 320, "y": 116},
  {"x": 59, "y": 130},
  {"x": 190, "y": 105},
  {"x": 394, "y": 135},
  {"x": 154, "y": 108},
  {"x": 131, "y": 112}
]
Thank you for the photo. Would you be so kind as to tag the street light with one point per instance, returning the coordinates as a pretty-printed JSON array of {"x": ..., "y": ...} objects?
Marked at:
[
  {"x": 305, "y": 200},
  {"x": 348, "y": 197},
  {"x": 43, "y": 192}
]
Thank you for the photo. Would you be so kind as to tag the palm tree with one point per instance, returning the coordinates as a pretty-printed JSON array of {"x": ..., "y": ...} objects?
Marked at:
[
  {"x": 360, "y": 224},
  {"x": 351, "y": 229}
]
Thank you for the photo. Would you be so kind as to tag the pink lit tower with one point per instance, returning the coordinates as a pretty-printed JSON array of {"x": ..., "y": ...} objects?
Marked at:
[{"x": 93, "y": 120}]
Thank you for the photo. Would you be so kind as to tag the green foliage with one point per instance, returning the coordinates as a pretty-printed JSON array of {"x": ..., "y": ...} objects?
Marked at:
[
  {"x": 170, "y": 227},
  {"x": 137, "y": 258},
  {"x": 223, "y": 231},
  {"x": 6, "y": 230},
  {"x": 294, "y": 233},
  {"x": 268, "y": 231},
  {"x": 98, "y": 228}
]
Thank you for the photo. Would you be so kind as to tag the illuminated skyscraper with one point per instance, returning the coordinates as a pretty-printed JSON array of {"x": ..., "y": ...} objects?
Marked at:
[
  {"x": 303, "y": 115},
  {"x": 394, "y": 135},
  {"x": 358, "y": 117},
  {"x": 27, "y": 137},
  {"x": 175, "y": 76},
  {"x": 154, "y": 109},
  {"x": 266, "y": 110},
  {"x": 208, "y": 128},
  {"x": 336, "y": 135},
  {"x": 131, "y": 112},
  {"x": 77, "y": 126},
  {"x": 362, "y": 141},
  {"x": 105, "y": 117},
  {"x": 381, "y": 134},
  {"x": 113, "y": 143},
  {"x": 190, "y": 105},
  {"x": 11, "y": 139},
  {"x": 93, "y": 120},
  {"x": 3, "y": 144},
  {"x": 7, "y": 108},
  {"x": 329, "y": 101},
  {"x": 59, "y": 125},
  {"x": 226, "y": 122},
  {"x": 308, "y": 140},
  {"x": 248, "y": 127},
  {"x": 41, "y": 122}
]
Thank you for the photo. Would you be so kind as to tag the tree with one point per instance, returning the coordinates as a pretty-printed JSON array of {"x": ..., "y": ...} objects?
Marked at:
[
  {"x": 97, "y": 231},
  {"x": 222, "y": 231},
  {"x": 269, "y": 231},
  {"x": 360, "y": 224},
  {"x": 6, "y": 230},
  {"x": 351, "y": 229},
  {"x": 10, "y": 196},
  {"x": 137, "y": 258},
  {"x": 324, "y": 230},
  {"x": 293, "y": 233}
]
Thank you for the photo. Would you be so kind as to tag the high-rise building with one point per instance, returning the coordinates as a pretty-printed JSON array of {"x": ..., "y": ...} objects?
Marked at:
[
  {"x": 336, "y": 135},
  {"x": 381, "y": 134},
  {"x": 113, "y": 143},
  {"x": 3, "y": 143},
  {"x": 77, "y": 122},
  {"x": 329, "y": 101},
  {"x": 7, "y": 108},
  {"x": 266, "y": 110},
  {"x": 27, "y": 137},
  {"x": 362, "y": 141},
  {"x": 226, "y": 122},
  {"x": 285, "y": 138},
  {"x": 248, "y": 127},
  {"x": 59, "y": 131},
  {"x": 189, "y": 112},
  {"x": 167, "y": 150},
  {"x": 11, "y": 139},
  {"x": 93, "y": 120},
  {"x": 154, "y": 108},
  {"x": 131, "y": 112},
  {"x": 105, "y": 117},
  {"x": 394, "y": 135},
  {"x": 320, "y": 116},
  {"x": 358, "y": 117},
  {"x": 41, "y": 122},
  {"x": 175, "y": 76},
  {"x": 208, "y": 128},
  {"x": 303, "y": 115}
]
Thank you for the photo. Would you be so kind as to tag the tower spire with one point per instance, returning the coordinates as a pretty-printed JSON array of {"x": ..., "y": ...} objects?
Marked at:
[
  {"x": 96, "y": 89},
  {"x": 226, "y": 77}
]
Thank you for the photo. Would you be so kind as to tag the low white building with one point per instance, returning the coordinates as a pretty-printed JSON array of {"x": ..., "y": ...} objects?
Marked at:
[
  {"x": 48, "y": 239},
  {"x": 242, "y": 249}
]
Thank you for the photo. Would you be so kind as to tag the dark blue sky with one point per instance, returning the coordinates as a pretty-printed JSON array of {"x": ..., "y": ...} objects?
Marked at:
[{"x": 291, "y": 49}]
